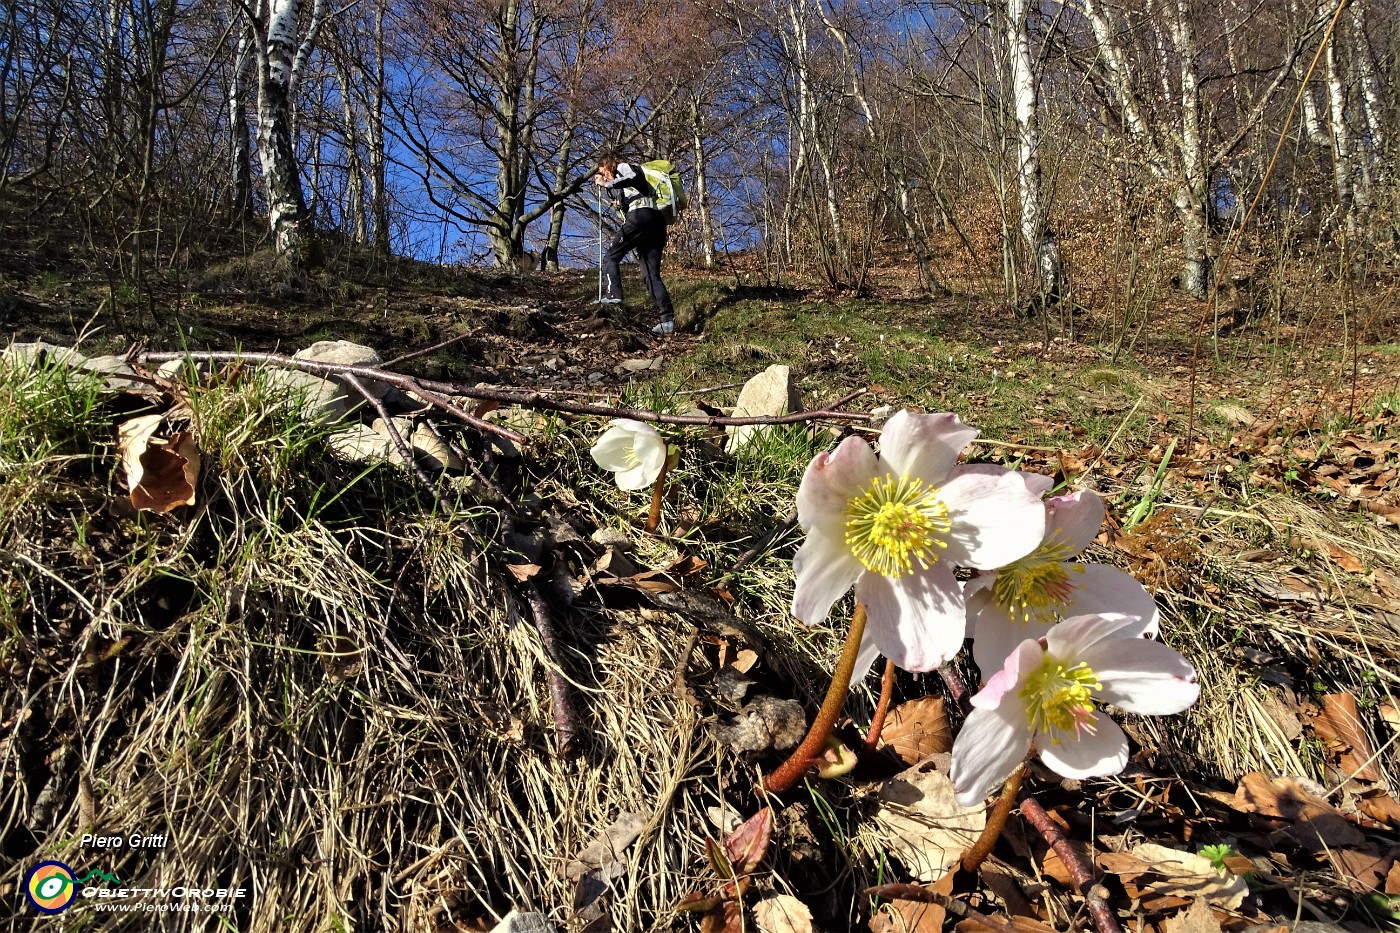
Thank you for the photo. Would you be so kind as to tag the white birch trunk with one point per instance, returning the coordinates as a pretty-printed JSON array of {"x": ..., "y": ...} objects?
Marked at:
[
  {"x": 240, "y": 143},
  {"x": 1343, "y": 168},
  {"x": 1035, "y": 231},
  {"x": 276, "y": 151},
  {"x": 702, "y": 194},
  {"x": 1192, "y": 195}
]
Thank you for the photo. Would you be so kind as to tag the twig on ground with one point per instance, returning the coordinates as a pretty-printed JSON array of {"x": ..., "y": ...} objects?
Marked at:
[
  {"x": 524, "y": 398},
  {"x": 1095, "y": 895},
  {"x": 914, "y": 892},
  {"x": 567, "y": 732}
]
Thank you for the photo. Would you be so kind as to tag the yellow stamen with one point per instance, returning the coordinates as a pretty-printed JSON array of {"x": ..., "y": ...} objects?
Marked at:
[
  {"x": 1059, "y": 700},
  {"x": 1033, "y": 588},
  {"x": 896, "y": 522}
]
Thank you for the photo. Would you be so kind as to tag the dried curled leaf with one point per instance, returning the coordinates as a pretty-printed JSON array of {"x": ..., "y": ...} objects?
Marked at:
[
  {"x": 160, "y": 472},
  {"x": 918, "y": 729},
  {"x": 782, "y": 913},
  {"x": 748, "y": 844}
]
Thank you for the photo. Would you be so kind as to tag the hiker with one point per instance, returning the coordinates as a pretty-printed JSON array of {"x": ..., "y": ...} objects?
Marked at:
[{"x": 644, "y": 230}]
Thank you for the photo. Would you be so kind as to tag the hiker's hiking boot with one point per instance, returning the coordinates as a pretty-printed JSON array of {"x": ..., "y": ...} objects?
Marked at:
[{"x": 665, "y": 327}]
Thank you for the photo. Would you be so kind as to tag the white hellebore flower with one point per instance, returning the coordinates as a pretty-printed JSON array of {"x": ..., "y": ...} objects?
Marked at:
[
  {"x": 896, "y": 525},
  {"x": 1026, "y": 597},
  {"x": 1049, "y": 693},
  {"x": 632, "y": 450}
]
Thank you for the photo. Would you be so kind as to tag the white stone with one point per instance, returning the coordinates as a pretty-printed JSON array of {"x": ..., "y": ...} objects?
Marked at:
[
  {"x": 345, "y": 353},
  {"x": 772, "y": 392},
  {"x": 360, "y": 442},
  {"x": 516, "y": 922},
  {"x": 433, "y": 453},
  {"x": 323, "y": 400}
]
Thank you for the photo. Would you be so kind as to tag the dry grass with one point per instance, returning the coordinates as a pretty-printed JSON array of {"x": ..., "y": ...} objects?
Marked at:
[{"x": 318, "y": 686}]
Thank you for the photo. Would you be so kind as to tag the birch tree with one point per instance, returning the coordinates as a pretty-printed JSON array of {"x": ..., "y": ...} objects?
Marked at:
[
  {"x": 1177, "y": 148},
  {"x": 276, "y": 50},
  {"x": 1035, "y": 228}
]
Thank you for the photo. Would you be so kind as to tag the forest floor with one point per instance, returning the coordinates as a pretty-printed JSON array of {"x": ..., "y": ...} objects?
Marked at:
[{"x": 1252, "y": 481}]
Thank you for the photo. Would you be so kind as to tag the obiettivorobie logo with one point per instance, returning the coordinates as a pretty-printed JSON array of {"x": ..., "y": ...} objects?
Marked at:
[{"x": 51, "y": 887}]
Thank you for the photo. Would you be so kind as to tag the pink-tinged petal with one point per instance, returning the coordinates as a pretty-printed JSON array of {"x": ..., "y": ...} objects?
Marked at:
[
  {"x": 1099, "y": 588},
  {"x": 918, "y": 619},
  {"x": 924, "y": 446},
  {"x": 1104, "y": 751},
  {"x": 1077, "y": 518},
  {"x": 1037, "y": 483},
  {"x": 865, "y": 657},
  {"x": 1018, "y": 664},
  {"x": 1142, "y": 676},
  {"x": 825, "y": 571},
  {"x": 833, "y": 479},
  {"x": 989, "y": 747},
  {"x": 1068, "y": 640},
  {"x": 994, "y": 632},
  {"x": 996, "y": 519}
]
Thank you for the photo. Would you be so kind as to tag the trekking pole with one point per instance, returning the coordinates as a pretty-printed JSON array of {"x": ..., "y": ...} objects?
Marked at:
[{"x": 600, "y": 243}]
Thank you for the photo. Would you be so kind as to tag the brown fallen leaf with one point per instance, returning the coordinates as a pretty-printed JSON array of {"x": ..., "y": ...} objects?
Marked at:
[
  {"x": 902, "y": 916},
  {"x": 1362, "y": 871},
  {"x": 917, "y": 729},
  {"x": 1190, "y": 876},
  {"x": 1340, "y": 721},
  {"x": 1316, "y": 824},
  {"x": 782, "y": 913},
  {"x": 1346, "y": 561},
  {"x": 922, "y": 825},
  {"x": 1392, "y": 880},
  {"x": 1198, "y": 918},
  {"x": 523, "y": 572},
  {"x": 1382, "y": 808},
  {"x": 160, "y": 472},
  {"x": 727, "y": 917},
  {"x": 748, "y": 844}
]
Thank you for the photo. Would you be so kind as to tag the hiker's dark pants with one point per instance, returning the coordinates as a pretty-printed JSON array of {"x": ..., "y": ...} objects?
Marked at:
[{"x": 643, "y": 231}]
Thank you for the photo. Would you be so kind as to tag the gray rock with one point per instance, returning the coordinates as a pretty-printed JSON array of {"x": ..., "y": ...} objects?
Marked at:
[
  {"x": 345, "y": 353},
  {"x": 516, "y": 922},
  {"x": 360, "y": 442},
  {"x": 431, "y": 451},
  {"x": 638, "y": 366},
  {"x": 772, "y": 392},
  {"x": 26, "y": 355},
  {"x": 766, "y": 722},
  {"x": 612, "y": 537},
  {"x": 321, "y": 399},
  {"x": 595, "y": 378}
]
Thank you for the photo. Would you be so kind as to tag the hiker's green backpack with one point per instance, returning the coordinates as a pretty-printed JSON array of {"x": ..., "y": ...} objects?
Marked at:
[{"x": 666, "y": 185}]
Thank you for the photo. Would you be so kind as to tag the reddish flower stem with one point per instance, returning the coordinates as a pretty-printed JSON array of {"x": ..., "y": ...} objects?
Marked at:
[
  {"x": 658, "y": 496},
  {"x": 788, "y": 773},
  {"x": 1095, "y": 895},
  {"x": 996, "y": 821},
  {"x": 877, "y": 722}
]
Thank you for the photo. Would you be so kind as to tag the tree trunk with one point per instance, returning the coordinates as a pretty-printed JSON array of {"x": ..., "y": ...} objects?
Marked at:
[
  {"x": 701, "y": 201},
  {"x": 1035, "y": 230},
  {"x": 1343, "y": 168},
  {"x": 286, "y": 204},
  {"x": 379, "y": 197},
  {"x": 240, "y": 143},
  {"x": 1191, "y": 197}
]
